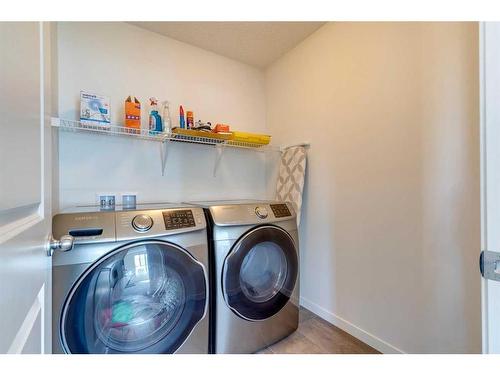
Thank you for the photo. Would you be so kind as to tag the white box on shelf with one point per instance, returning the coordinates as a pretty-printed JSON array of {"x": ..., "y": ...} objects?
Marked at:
[{"x": 94, "y": 110}]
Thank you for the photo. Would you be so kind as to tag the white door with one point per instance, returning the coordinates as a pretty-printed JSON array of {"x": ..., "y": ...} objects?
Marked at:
[{"x": 25, "y": 187}]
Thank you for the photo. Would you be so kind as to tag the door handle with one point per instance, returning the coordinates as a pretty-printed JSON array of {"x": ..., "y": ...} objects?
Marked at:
[
  {"x": 489, "y": 265},
  {"x": 65, "y": 243}
]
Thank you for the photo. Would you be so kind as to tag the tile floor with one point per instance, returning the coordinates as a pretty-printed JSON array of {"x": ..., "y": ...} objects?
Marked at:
[{"x": 317, "y": 336}]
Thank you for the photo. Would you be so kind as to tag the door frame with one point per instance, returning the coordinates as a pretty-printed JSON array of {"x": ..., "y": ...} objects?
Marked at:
[
  {"x": 482, "y": 147},
  {"x": 489, "y": 98}
]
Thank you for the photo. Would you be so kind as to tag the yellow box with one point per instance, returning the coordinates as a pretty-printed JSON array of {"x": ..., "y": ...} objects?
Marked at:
[{"x": 261, "y": 139}]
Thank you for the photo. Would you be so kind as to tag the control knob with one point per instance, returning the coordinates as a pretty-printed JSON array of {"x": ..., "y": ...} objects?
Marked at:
[
  {"x": 261, "y": 212},
  {"x": 142, "y": 223}
]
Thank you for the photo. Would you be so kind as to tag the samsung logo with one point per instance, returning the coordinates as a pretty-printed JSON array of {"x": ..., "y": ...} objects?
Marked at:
[{"x": 88, "y": 217}]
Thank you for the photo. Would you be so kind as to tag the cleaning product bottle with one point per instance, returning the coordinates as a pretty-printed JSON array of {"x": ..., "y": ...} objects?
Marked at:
[
  {"x": 167, "y": 121},
  {"x": 182, "y": 123},
  {"x": 155, "y": 123},
  {"x": 189, "y": 120}
]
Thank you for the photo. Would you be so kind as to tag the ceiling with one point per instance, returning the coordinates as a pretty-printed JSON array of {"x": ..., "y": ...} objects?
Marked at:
[{"x": 254, "y": 43}]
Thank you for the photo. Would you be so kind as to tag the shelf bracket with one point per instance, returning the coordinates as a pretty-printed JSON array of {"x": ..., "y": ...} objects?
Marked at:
[
  {"x": 164, "y": 146},
  {"x": 219, "y": 150}
]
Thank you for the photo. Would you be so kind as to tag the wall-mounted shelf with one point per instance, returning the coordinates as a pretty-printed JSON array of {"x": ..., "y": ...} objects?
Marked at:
[{"x": 163, "y": 139}]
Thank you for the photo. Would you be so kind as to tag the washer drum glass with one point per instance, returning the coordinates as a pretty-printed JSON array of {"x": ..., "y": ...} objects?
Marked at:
[{"x": 145, "y": 297}]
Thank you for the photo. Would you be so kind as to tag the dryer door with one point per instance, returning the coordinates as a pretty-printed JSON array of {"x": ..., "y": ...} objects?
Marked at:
[
  {"x": 145, "y": 297},
  {"x": 260, "y": 273}
]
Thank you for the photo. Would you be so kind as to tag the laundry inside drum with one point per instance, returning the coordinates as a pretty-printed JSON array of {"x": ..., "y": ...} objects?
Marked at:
[{"x": 138, "y": 300}]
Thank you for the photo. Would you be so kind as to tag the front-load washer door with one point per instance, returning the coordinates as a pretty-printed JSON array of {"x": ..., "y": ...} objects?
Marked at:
[
  {"x": 145, "y": 297},
  {"x": 260, "y": 272}
]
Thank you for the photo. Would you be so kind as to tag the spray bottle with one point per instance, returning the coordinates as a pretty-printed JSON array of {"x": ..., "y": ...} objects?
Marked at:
[
  {"x": 182, "y": 121},
  {"x": 166, "y": 117},
  {"x": 155, "y": 123}
]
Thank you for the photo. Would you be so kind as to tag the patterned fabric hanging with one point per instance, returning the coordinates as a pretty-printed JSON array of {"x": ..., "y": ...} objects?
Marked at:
[{"x": 291, "y": 177}]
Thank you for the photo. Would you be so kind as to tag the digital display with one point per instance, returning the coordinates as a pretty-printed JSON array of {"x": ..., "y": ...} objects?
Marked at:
[
  {"x": 178, "y": 219},
  {"x": 280, "y": 210}
]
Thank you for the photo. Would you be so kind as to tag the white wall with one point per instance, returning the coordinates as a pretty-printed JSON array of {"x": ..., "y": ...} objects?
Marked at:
[
  {"x": 390, "y": 233},
  {"x": 117, "y": 60}
]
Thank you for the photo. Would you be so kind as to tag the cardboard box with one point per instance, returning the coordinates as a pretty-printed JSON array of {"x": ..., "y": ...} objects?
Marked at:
[
  {"x": 133, "y": 114},
  {"x": 221, "y": 128}
]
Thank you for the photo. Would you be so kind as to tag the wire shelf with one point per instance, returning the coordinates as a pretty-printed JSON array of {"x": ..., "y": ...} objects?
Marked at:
[
  {"x": 146, "y": 134},
  {"x": 77, "y": 126},
  {"x": 163, "y": 139}
]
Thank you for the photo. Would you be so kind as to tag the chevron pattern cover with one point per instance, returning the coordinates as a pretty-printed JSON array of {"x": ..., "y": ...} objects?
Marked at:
[{"x": 291, "y": 177}]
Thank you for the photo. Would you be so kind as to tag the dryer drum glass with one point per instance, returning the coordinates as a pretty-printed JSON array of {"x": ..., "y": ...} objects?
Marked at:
[{"x": 263, "y": 272}]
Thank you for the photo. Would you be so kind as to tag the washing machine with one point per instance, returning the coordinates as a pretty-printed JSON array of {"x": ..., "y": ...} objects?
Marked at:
[
  {"x": 255, "y": 251},
  {"x": 134, "y": 282}
]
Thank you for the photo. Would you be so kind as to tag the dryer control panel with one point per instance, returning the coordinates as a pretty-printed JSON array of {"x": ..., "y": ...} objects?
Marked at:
[
  {"x": 280, "y": 210},
  {"x": 251, "y": 213}
]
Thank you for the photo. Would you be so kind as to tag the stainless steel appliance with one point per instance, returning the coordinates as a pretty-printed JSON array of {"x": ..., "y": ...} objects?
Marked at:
[
  {"x": 256, "y": 273},
  {"x": 135, "y": 282}
]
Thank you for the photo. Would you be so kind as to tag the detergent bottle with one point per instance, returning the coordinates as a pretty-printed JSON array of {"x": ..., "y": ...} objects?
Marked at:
[{"x": 155, "y": 122}]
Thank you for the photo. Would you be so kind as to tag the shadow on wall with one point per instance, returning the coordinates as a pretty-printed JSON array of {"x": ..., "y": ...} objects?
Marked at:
[
  {"x": 115, "y": 165},
  {"x": 451, "y": 189},
  {"x": 310, "y": 241}
]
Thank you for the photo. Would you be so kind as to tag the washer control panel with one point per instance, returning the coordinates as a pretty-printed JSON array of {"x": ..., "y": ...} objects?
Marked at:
[
  {"x": 261, "y": 212},
  {"x": 142, "y": 223},
  {"x": 178, "y": 219},
  {"x": 158, "y": 222},
  {"x": 280, "y": 210}
]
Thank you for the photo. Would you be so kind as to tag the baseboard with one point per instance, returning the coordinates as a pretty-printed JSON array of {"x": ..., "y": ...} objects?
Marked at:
[{"x": 350, "y": 328}]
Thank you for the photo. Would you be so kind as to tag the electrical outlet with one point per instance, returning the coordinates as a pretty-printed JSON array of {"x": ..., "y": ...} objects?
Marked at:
[{"x": 106, "y": 200}]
